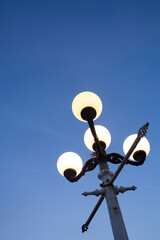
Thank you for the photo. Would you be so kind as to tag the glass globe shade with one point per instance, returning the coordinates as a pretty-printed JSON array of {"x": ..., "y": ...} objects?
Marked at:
[
  {"x": 143, "y": 145},
  {"x": 69, "y": 160},
  {"x": 86, "y": 99},
  {"x": 102, "y": 133}
]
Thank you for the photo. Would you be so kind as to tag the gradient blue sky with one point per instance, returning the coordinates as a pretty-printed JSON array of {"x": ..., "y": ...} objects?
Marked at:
[{"x": 49, "y": 52}]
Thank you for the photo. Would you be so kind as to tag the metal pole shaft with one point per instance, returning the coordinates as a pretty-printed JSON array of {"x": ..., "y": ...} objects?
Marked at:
[{"x": 116, "y": 219}]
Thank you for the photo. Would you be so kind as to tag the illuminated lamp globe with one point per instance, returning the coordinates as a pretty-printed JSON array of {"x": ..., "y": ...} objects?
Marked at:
[
  {"x": 69, "y": 164},
  {"x": 102, "y": 133},
  {"x": 143, "y": 147},
  {"x": 86, "y": 106}
]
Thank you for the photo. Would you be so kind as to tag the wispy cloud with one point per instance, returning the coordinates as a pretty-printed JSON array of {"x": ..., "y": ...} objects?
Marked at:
[
  {"x": 17, "y": 166},
  {"x": 25, "y": 122}
]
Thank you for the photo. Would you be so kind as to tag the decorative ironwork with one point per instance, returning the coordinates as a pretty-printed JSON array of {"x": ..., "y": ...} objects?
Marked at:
[
  {"x": 89, "y": 166},
  {"x": 114, "y": 158},
  {"x": 84, "y": 228},
  {"x": 122, "y": 189},
  {"x": 143, "y": 130},
  {"x": 96, "y": 192},
  {"x": 100, "y": 157}
]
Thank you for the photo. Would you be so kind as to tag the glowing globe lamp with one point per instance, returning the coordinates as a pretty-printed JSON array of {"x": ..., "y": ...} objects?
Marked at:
[
  {"x": 86, "y": 106},
  {"x": 69, "y": 164},
  {"x": 141, "y": 150},
  {"x": 102, "y": 133}
]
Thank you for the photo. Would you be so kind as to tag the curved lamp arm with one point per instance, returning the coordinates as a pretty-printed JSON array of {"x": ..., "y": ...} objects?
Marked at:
[
  {"x": 89, "y": 166},
  {"x": 141, "y": 133},
  {"x": 117, "y": 158}
]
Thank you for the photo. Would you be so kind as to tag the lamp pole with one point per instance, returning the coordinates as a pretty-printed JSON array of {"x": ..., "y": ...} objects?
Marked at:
[
  {"x": 116, "y": 219},
  {"x": 87, "y": 107}
]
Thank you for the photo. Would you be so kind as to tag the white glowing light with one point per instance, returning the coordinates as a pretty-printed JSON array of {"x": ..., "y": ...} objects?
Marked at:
[
  {"x": 86, "y": 99},
  {"x": 69, "y": 160},
  {"x": 102, "y": 133},
  {"x": 142, "y": 145}
]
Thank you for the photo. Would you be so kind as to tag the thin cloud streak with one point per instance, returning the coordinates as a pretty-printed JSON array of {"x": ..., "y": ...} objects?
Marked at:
[{"x": 27, "y": 123}]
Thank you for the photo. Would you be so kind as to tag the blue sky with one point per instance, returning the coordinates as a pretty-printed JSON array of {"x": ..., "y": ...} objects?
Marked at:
[{"x": 49, "y": 52}]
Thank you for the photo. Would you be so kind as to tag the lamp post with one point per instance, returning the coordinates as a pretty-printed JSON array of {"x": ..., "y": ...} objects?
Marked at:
[{"x": 87, "y": 107}]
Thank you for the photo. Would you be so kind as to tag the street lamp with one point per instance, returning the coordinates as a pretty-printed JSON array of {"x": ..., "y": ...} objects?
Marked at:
[{"x": 87, "y": 107}]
